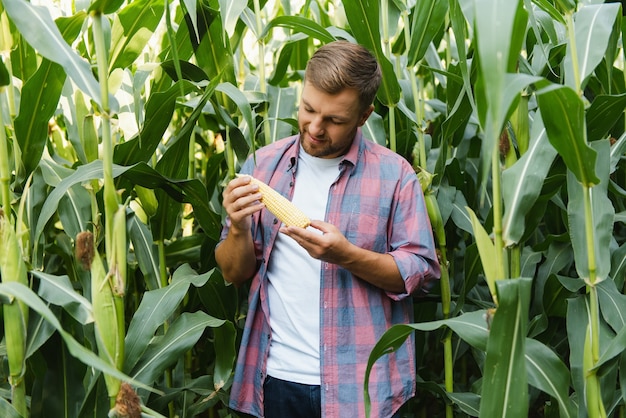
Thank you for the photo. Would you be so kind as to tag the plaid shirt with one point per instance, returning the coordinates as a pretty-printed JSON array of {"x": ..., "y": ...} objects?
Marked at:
[{"x": 377, "y": 203}]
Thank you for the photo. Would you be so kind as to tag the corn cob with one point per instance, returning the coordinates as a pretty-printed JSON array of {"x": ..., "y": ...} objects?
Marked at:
[
  {"x": 280, "y": 206},
  {"x": 107, "y": 298},
  {"x": 13, "y": 269},
  {"x": 108, "y": 316}
]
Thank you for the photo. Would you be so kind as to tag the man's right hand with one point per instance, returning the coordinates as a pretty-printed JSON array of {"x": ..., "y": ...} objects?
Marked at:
[{"x": 241, "y": 199}]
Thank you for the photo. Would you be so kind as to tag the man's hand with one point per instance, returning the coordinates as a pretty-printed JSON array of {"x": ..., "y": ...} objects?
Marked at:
[
  {"x": 326, "y": 243},
  {"x": 235, "y": 255},
  {"x": 241, "y": 199}
]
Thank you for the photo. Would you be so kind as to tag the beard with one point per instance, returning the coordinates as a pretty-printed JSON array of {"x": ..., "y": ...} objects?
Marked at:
[{"x": 324, "y": 148}]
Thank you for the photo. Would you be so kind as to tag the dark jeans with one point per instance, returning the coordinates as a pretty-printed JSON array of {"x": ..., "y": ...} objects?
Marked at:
[{"x": 291, "y": 400}]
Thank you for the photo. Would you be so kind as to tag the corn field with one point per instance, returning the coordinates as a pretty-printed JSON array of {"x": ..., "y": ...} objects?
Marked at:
[{"x": 121, "y": 121}]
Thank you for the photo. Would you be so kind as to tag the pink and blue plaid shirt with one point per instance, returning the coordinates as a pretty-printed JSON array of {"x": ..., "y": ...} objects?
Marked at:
[{"x": 377, "y": 203}]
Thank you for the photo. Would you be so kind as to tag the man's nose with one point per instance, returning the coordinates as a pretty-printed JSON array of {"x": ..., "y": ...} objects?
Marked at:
[{"x": 316, "y": 127}]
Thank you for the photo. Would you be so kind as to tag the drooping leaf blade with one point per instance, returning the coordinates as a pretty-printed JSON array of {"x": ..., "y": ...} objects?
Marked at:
[
  {"x": 38, "y": 28},
  {"x": 299, "y": 24},
  {"x": 58, "y": 290}
]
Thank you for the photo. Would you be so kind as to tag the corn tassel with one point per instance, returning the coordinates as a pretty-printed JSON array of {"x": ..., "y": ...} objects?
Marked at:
[
  {"x": 280, "y": 206},
  {"x": 13, "y": 269}
]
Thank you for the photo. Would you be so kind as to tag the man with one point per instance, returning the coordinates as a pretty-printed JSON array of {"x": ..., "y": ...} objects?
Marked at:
[{"x": 321, "y": 297}]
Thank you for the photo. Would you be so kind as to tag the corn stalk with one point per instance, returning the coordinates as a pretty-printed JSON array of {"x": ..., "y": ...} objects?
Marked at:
[{"x": 108, "y": 287}]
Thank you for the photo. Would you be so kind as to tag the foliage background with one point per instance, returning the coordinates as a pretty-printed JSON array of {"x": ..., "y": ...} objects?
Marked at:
[{"x": 123, "y": 119}]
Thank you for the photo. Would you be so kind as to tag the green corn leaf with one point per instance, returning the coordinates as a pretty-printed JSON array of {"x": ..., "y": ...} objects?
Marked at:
[
  {"x": 505, "y": 381},
  {"x": 39, "y": 99},
  {"x": 547, "y": 372},
  {"x": 39, "y": 30},
  {"x": 487, "y": 249},
  {"x": 611, "y": 351},
  {"x": 4, "y": 74},
  {"x": 189, "y": 71},
  {"x": 459, "y": 215},
  {"x": 180, "y": 337},
  {"x": 363, "y": 17},
  {"x": 225, "y": 339},
  {"x": 299, "y": 24},
  {"x": 59, "y": 291},
  {"x": 216, "y": 58},
  {"x": 577, "y": 322},
  {"x": 471, "y": 327},
  {"x": 612, "y": 304},
  {"x": 428, "y": 20},
  {"x": 155, "y": 308},
  {"x": 243, "y": 105},
  {"x": 593, "y": 28},
  {"x": 133, "y": 26},
  {"x": 282, "y": 101},
  {"x": 7, "y": 410},
  {"x": 74, "y": 207},
  {"x": 603, "y": 114},
  {"x": 218, "y": 297},
  {"x": 158, "y": 114},
  {"x": 550, "y": 8},
  {"x": 39, "y": 332},
  {"x": 145, "y": 251},
  {"x": 563, "y": 116},
  {"x": 193, "y": 191},
  {"x": 522, "y": 183},
  {"x": 85, "y": 355},
  {"x": 105, "y": 6},
  {"x": 602, "y": 217}
]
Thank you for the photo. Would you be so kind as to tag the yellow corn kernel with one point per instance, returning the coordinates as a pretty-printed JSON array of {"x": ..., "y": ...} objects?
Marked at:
[{"x": 281, "y": 207}]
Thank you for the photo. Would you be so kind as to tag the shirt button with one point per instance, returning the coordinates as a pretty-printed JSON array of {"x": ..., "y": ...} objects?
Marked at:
[{"x": 325, "y": 304}]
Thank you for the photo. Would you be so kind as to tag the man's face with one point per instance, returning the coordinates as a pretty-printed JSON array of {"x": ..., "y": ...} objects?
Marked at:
[{"x": 328, "y": 122}]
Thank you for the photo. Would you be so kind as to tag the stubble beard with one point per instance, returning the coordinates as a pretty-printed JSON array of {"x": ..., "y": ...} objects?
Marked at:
[{"x": 324, "y": 151}]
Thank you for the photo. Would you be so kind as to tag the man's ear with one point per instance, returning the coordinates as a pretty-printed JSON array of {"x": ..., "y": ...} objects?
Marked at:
[{"x": 366, "y": 114}]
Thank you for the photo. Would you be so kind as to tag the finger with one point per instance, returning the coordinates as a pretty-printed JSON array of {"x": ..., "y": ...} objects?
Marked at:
[{"x": 321, "y": 226}]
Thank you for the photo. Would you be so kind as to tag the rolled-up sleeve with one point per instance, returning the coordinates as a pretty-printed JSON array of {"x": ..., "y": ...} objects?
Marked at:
[{"x": 411, "y": 241}]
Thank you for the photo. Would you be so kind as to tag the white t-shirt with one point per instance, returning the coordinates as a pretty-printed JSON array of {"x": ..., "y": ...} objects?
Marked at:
[{"x": 294, "y": 281}]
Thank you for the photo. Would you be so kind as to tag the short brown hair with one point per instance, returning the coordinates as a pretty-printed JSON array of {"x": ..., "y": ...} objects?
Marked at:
[{"x": 341, "y": 64}]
